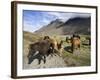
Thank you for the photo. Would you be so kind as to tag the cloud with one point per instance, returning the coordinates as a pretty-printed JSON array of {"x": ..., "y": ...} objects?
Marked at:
[{"x": 65, "y": 16}]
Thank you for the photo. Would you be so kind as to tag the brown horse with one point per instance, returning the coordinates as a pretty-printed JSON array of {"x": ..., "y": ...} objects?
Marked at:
[
  {"x": 57, "y": 47},
  {"x": 75, "y": 42},
  {"x": 39, "y": 50},
  {"x": 53, "y": 41}
]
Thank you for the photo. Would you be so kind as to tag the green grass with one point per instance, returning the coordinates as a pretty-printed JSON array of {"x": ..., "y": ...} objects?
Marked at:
[{"x": 81, "y": 59}]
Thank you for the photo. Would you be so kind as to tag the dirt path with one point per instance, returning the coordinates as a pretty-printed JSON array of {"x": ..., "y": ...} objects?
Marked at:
[{"x": 51, "y": 62}]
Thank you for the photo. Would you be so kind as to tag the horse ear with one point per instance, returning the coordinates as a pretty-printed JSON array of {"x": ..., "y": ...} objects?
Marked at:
[
  {"x": 59, "y": 44},
  {"x": 46, "y": 37}
]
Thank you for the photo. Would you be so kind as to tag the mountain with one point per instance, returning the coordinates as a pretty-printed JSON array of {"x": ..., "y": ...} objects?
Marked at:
[{"x": 74, "y": 25}]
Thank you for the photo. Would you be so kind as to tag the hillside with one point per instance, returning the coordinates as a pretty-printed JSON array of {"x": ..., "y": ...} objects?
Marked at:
[{"x": 75, "y": 25}]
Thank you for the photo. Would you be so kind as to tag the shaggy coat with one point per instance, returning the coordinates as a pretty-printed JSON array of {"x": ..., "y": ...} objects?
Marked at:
[
  {"x": 75, "y": 41},
  {"x": 40, "y": 50}
]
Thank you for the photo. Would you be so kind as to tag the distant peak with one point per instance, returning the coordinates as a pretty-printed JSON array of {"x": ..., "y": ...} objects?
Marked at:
[
  {"x": 60, "y": 20},
  {"x": 56, "y": 21},
  {"x": 77, "y": 19}
]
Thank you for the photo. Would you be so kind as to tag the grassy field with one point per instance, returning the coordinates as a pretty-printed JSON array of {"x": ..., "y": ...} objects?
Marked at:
[{"x": 81, "y": 57}]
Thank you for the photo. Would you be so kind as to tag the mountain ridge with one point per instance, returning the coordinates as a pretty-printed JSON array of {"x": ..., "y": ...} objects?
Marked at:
[{"x": 77, "y": 25}]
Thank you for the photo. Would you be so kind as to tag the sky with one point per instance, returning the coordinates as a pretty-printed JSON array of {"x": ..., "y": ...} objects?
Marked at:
[{"x": 34, "y": 20}]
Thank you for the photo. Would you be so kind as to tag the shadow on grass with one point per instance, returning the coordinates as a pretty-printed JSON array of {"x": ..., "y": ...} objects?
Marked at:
[
  {"x": 68, "y": 49},
  {"x": 86, "y": 44}
]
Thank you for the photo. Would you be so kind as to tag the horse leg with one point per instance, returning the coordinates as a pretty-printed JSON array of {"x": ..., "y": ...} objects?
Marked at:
[
  {"x": 79, "y": 46},
  {"x": 44, "y": 59},
  {"x": 39, "y": 61},
  {"x": 72, "y": 48}
]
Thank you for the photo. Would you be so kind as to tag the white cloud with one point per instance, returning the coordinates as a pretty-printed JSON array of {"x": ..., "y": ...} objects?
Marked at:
[{"x": 66, "y": 16}]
